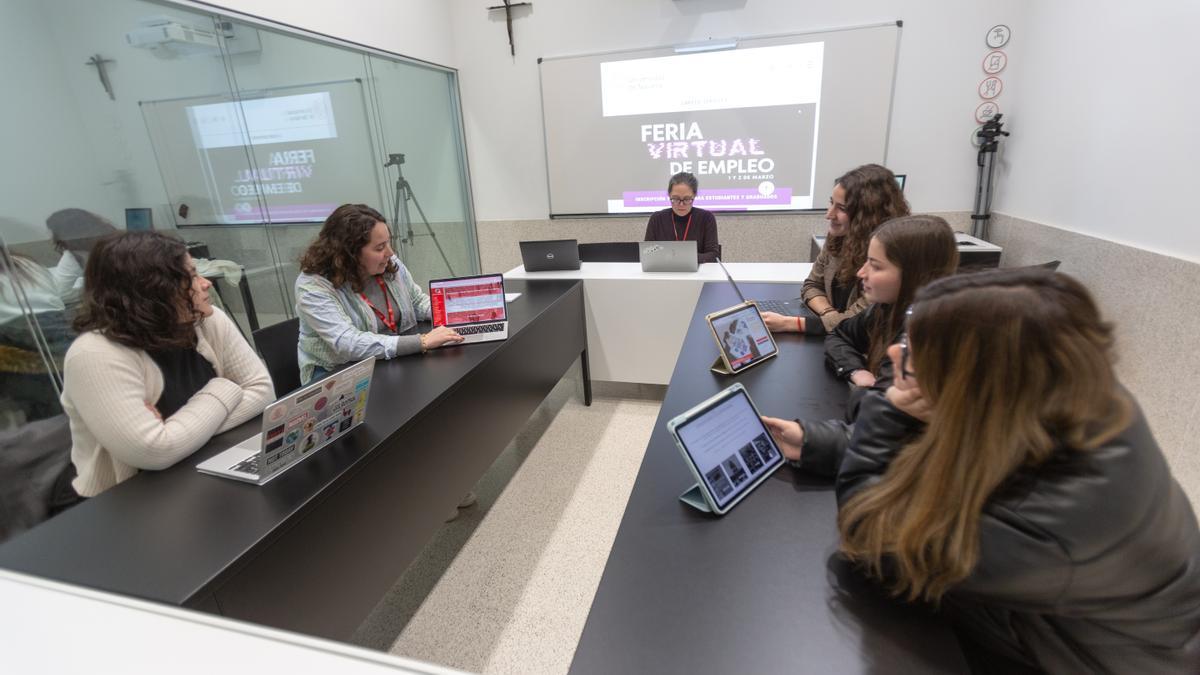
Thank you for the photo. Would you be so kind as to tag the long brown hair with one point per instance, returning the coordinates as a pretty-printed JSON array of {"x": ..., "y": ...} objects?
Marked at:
[
  {"x": 924, "y": 249},
  {"x": 872, "y": 197},
  {"x": 135, "y": 286},
  {"x": 1017, "y": 366},
  {"x": 334, "y": 254}
]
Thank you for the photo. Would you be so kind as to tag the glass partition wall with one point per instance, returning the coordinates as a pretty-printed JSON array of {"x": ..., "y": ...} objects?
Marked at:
[{"x": 236, "y": 136}]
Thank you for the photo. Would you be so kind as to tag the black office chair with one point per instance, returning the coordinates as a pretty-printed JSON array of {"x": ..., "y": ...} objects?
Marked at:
[
  {"x": 277, "y": 345},
  {"x": 613, "y": 251}
]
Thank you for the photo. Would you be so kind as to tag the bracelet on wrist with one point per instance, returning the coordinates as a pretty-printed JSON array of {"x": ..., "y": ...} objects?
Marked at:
[{"x": 424, "y": 347}]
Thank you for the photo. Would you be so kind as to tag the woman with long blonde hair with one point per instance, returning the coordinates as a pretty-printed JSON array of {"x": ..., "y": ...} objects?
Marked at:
[{"x": 1008, "y": 477}]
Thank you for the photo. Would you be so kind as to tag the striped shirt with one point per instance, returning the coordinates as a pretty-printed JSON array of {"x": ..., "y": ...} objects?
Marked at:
[{"x": 337, "y": 326}]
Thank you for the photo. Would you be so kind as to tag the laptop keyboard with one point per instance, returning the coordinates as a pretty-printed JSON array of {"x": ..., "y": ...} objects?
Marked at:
[
  {"x": 483, "y": 328},
  {"x": 248, "y": 465},
  {"x": 784, "y": 307}
]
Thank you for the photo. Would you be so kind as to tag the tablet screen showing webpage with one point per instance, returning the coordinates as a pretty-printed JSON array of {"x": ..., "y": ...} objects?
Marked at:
[
  {"x": 455, "y": 302},
  {"x": 743, "y": 337},
  {"x": 730, "y": 448}
]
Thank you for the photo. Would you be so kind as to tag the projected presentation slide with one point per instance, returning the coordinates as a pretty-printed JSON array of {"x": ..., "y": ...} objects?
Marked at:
[
  {"x": 744, "y": 121},
  {"x": 294, "y": 140}
]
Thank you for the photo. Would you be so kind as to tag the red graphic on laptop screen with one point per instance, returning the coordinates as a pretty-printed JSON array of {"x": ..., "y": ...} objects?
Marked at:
[{"x": 462, "y": 301}]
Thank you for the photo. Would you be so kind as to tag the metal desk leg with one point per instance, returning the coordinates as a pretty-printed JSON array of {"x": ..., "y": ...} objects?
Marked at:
[
  {"x": 248, "y": 301},
  {"x": 587, "y": 377},
  {"x": 216, "y": 285}
]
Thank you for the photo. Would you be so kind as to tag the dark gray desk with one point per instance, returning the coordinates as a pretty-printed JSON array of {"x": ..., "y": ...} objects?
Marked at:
[
  {"x": 315, "y": 549},
  {"x": 759, "y": 590}
]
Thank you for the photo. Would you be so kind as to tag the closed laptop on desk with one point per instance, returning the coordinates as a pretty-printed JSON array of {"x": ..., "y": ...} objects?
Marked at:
[
  {"x": 551, "y": 255},
  {"x": 669, "y": 256}
]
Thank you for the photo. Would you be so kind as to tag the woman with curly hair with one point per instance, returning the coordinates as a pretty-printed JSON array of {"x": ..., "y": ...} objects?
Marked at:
[
  {"x": 863, "y": 199},
  {"x": 156, "y": 370},
  {"x": 356, "y": 299}
]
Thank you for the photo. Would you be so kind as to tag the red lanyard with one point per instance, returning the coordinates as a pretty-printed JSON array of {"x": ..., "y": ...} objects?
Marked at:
[
  {"x": 675, "y": 228},
  {"x": 390, "y": 319}
]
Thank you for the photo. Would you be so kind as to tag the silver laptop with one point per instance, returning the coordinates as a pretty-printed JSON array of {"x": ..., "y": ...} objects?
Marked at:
[
  {"x": 784, "y": 307},
  {"x": 668, "y": 256},
  {"x": 298, "y": 425},
  {"x": 473, "y": 306}
]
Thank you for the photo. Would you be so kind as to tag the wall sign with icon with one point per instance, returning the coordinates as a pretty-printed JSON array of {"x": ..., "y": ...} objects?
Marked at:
[{"x": 994, "y": 62}]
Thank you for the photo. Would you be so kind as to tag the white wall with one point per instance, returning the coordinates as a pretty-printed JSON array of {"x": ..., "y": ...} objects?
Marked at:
[
  {"x": 942, "y": 48},
  {"x": 52, "y": 167},
  {"x": 1104, "y": 122},
  {"x": 416, "y": 28}
]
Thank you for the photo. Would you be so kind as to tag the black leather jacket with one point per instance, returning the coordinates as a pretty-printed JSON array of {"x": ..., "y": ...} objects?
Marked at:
[
  {"x": 1089, "y": 563},
  {"x": 845, "y": 352}
]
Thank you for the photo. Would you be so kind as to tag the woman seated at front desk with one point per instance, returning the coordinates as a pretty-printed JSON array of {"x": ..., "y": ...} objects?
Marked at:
[
  {"x": 156, "y": 371},
  {"x": 684, "y": 222},
  {"x": 356, "y": 299}
]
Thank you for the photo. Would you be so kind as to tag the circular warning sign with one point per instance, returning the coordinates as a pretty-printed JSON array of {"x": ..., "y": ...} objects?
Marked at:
[
  {"x": 990, "y": 88},
  {"x": 986, "y": 111},
  {"x": 994, "y": 62},
  {"x": 998, "y": 36}
]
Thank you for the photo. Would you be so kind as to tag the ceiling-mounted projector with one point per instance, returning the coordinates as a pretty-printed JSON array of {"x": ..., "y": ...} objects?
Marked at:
[{"x": 171, "y": 36}]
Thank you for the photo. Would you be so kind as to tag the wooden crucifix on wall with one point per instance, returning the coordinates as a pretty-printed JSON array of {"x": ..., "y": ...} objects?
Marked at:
[{"x": 508, "y": 18}]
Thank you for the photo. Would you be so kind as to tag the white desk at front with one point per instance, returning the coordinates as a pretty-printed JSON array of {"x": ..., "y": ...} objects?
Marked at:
[{"x": 637, "y": 320}]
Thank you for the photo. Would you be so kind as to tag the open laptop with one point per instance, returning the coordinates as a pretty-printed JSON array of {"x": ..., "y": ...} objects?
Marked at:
[
  {"x": 668, "y": 256},
  {"x": 298, "y": 425},
  {"x": 784, "y": 307},
  {"x": 473, "y": 306},
  {"x": 551, "y": 255}
]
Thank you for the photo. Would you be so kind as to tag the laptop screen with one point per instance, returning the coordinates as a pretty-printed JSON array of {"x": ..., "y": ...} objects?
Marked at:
[{"x": 456, "y": 302}]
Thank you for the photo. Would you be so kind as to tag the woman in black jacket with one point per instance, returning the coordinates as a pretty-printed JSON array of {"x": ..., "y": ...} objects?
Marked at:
[
  {"x": 1019, "y": 485},
  {"x": 904, "y": 254}
]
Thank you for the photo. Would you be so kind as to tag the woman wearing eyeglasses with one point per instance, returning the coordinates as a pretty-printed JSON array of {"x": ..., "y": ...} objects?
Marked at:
[
  {"x": 863, "y": 199},
  {"x": 1008, "y": 477},
  {"x": 684, "y": 222}
]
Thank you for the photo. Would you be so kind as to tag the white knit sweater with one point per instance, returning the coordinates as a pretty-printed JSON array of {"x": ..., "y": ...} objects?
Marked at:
[{"x": 106, "y": 389}]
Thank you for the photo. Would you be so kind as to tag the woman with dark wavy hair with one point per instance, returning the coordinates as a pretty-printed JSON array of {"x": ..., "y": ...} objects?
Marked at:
[
  {"x": 863, "y": 199},
  {"x": 356, "y": 299},
  {"x": 1008, "y": 476},
  {"x": 156, "y": 370}
]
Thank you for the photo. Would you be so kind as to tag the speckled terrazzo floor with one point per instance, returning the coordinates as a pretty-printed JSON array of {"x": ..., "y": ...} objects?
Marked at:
[{"x": 506, "y": 587}]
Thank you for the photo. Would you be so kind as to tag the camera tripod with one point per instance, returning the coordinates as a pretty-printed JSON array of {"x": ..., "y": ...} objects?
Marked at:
[
  {"x": 400, "y": 214},
  {"x": 989, "y": 141}
]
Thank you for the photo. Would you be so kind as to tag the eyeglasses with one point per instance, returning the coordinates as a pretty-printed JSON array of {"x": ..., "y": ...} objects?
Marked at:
[
  {"x": 682, "y": 200},
  {"x": 904, "y": 371}
]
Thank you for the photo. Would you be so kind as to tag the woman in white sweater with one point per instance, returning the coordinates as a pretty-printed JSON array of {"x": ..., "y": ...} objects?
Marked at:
[{"x": 156, "y": 370}]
